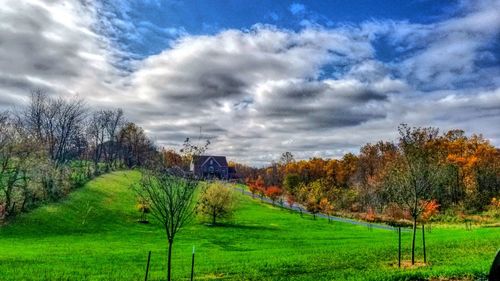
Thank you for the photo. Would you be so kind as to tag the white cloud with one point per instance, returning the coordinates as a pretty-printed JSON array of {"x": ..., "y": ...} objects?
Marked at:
[{"x": 265, "y": 90}]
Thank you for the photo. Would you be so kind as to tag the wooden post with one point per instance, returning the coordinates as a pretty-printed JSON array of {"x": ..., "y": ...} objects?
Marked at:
[
  {"x": 192, "y": 266},
  {"x": 423, "y": 240},
  {"x": 399, "y": 247},
  {"x": 147, "y": 267}
]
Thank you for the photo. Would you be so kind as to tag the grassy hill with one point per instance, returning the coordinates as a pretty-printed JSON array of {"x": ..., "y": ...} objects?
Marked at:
[{"x": 93, "y": 235}]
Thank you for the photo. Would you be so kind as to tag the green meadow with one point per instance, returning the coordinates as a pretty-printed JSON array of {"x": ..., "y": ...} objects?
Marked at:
[{"x": 94, "y": 235}]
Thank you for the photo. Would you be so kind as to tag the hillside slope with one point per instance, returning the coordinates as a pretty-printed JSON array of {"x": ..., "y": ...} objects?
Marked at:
[{"x": 93, "y": 235}]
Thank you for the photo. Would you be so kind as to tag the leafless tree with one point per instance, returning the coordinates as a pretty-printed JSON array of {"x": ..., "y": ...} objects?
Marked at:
[
  {"x": 15, "y": 150},
  {"x": 170, "y": 198},
  {"x": 96, "y": 130},
  {"x": 56, "y": 123},
  {"x": 114, "y": 122}
]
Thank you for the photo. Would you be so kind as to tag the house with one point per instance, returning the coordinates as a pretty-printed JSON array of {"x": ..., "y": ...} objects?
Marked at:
[{"x": 211, "y": 167}]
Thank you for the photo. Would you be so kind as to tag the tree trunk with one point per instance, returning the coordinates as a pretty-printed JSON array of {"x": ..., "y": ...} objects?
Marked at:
[
  {"x": 413, "y": 241},
  {"x": 214, "y": 217},
  {"x": 169, "y": 261}
]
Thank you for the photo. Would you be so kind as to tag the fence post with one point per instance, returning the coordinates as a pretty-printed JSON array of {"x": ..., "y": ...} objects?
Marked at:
[
  {"x": 399, "y": 247},
  {"x": 423, "y": 240},
  {"x": 147, "y": 267},
  {"x": 192, "y": 266}
]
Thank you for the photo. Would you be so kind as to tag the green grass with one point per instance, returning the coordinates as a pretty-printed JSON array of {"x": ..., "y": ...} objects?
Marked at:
[{"x": 93, "y": 235}]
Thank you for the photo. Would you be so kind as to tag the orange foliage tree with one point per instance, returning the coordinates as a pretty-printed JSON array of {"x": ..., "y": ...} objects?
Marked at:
[{"x": 273, "y": 193}]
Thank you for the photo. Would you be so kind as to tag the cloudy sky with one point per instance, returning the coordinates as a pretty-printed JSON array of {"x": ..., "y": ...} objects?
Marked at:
[{"x": 317, "y": 78}]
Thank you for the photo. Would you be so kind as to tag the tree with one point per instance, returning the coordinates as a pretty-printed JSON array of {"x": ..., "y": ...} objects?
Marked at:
[
  {"x": 56, "y": 123},
  {"x": 143, "y": 207},
  {"x": 136, "y": 148},
  {"x": 217, "y": 201},
  {"x": 16, "y": 152},
  {"x": 256, "y": 186},
  {"x": 171, "y": 158},
  {"x": 411, "y": 179},
  {"x": 311, "y": 196},
  {"x": 291, "y": 183},
  {"x": 190, "y": 150},
  {"x": 273, "y": 193},
  {"x": 326, "y": 207},
  {"x": 96, "y": 131},
  {"x": 290, "y": 200},
  {"x": 170, "y": 198},
  {"x": 286, "y": 158},
  {"x": 114, "y": 122}
]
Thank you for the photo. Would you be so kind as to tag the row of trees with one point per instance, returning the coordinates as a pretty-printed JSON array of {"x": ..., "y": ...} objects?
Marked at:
[
  {"x": 53, "y": 145},
  {"x": 406, "y": 180},
  {"x": 460, "y": 172}
]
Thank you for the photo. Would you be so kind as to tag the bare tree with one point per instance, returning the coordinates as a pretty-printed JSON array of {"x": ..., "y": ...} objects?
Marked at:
[
  {"x": 170, "y": 198},
  {"x": 286, "y": 158},
  {"x": 96, "y": 130},
  {"x": 114, "y": 122},
  {"x": 56, "y": 123},
  {"x": 15, "y": 150}
]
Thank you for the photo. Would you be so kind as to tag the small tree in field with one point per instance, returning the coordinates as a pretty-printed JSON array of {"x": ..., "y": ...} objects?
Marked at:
[
  {"x": 326, "y": 207},
  {"x": 430, "y": 209},
  {"x": 273, "y": 193},
  {"x": 217, "y": 201},
  {"x": 143, "y": 207},
  {"x": 411, "y": 179},
  {"x": 255, "y": 186},
  {"x": 170, "y": 199}
]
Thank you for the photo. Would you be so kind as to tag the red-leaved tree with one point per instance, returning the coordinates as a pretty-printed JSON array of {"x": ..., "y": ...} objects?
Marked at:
[{"x": 273, "y": 193}]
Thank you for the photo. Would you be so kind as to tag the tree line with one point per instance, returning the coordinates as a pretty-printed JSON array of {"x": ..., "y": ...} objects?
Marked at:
[
  {"x": 53, "y": 145},
  {"x": 459, "y": 173},
  {"x": 402, "y": 183}
]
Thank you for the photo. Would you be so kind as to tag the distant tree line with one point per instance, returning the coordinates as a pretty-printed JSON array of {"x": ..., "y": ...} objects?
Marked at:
[
  {"x": 391, "y": 180},
  {"x": 54, "y": 145}
]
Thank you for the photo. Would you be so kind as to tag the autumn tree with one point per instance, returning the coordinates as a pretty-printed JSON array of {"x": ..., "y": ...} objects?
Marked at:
[
  {"x": 256, "y": 186},
  {"x": 273, "y": 193},
  {"x": 291, "y": 183},
  {"x": 326, "y": 207},
  {"x": 171, "y": 158},
  {"x": 311, "y": 196},
  {"x": 290, "y": 200},
  {"x": 430, "y": 209},
  {"x": 216, "y": 201}
]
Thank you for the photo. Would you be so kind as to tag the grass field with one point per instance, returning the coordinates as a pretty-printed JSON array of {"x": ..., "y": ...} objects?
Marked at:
[{"x": 93, "y": 235}]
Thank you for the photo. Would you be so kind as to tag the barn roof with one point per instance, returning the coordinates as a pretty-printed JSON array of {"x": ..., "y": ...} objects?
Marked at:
[{"x": 199, "y": 160}]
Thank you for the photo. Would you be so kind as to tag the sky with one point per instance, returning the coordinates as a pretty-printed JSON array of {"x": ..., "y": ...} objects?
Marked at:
[{"x": 258, "y": 78}]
